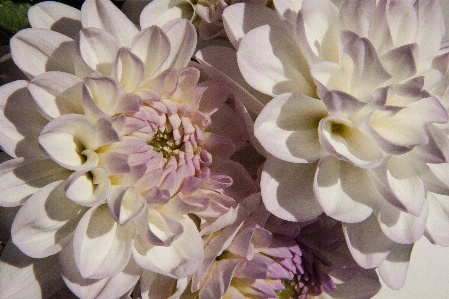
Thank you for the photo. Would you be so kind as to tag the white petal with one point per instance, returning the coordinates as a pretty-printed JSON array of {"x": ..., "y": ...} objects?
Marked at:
[
  {"x": 365, "y": 285},
  {"x": 181, "y": 259},
  {"x": 393, "y": 270},
  {"x": 88, "y": 188},
  {"x": 46, "y": 222},
  {"x": 402, "y": 227},
  {"x": 430, "y": 29},
  {"x": 102, "y": 248},
  {"x": 152, "y": 46},
  {"x": 182, "y": 36},
  {"x": 57, "y": 93},
  {"x": 157, "y": 286},
  {"x": 107, "y": 288},
  {"x": 18, "y": 138},
  {"x": 36, "y": 51},
  {"x": 221, "y": 64},
  {"x": 20, "y": 178},
  {"x": 287, "y": 190},
  {"x": 160, "y": 12},
  {"x": 356, "y": 16},
  {"x": 125, "y": 204},
  {"x": 264, "y": 57},
  {"x": 103, "y": 14},
  {"x": 368, "y": 244},
  {"x": 100, "y": 96},
  {"x": 128, "y": 70},
  {"x": 24, "y": 277},
  {"x": 344, "y": 191},
  {"x": 288, "y": 128},
  {"x": 438, "y": 220},
  {"x": 96, "y": 51},
  {"x": 69, "y": 140},
  {"x": 55, "y": 16},
  {"x": 339, "y": 136},
  {"x": 288, "y": 9},
  {"x": 240, "y": 18}
]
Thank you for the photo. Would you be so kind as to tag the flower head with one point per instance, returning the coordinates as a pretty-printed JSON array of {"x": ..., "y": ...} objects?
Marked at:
[
  {"x": 119, "y": 148},
  {"x": 356, "y": 126}
]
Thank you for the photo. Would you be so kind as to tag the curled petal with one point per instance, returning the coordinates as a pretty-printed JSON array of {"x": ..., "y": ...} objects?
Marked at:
[
  {"x": 128, "y": 70},
  {"x": 112, "y": 244},
  {"x": 288, "y": 128},
  {"x": 158, "y": 229},
  {"x": 69, "y": 140},
  {"x": 88, "y": 189},
  {"x": 46, "y": 222},
  {"x": 287, "y": 190},
  {"x": 100, "y": 96},
  {"x": 339, "y": 136}
]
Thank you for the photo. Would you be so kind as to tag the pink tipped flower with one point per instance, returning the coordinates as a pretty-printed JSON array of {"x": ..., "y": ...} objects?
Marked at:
[
  {"x": 267, "y": 257},
  {"x": 116, "y": 140}
]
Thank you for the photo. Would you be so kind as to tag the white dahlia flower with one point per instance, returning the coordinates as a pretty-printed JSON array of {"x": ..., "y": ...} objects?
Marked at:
[
  {"x": 353, "y": 117},
  {"x": 115, "y": 141}
]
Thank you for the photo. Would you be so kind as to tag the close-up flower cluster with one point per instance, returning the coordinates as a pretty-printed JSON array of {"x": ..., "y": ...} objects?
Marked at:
[{"x": 207, "y": 149}]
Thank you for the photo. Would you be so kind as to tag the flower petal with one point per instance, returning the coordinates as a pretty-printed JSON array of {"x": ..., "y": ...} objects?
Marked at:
[
  {"x": 157, "y": 286},
  {"x": 159, "y": 12},
  {"x": 102, "y": 14},
  {"x": 89, "y": 188},
  {"x": 125, "y": 204},
  {"x": 262, "y": 57},
  {"x": 41, "y": 277},
  {"x": 393, "y": 270},
  {"x": 287, "y": 190},
  {"x": 182, "y": 36},
  {"x": 46, "y": 222},
  {"x": 402, "y": 227},
  {"x": 288, "y": 128},
  {"x": 345, "y": 192},
  {"x": 152, "y": 46},
  {"x": 36, "y": 51},
  {"x": 368, "y": 244},
  {"x": 365, "y": 285},
  {"x": 107, "y": 288},
  {"x": 18, "y": 138},
  {"x": 55, "y": 16},
  {"x": 240, "y": 18},
  {"x": 438, "y": 219},
  {"x": 182, "y": 258},
  {"x": 128, "y": 69},
  {"x": 102, "y": 248},
  {"x": 57, "y": 93},
  {"x": 20, "y": 178}
]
